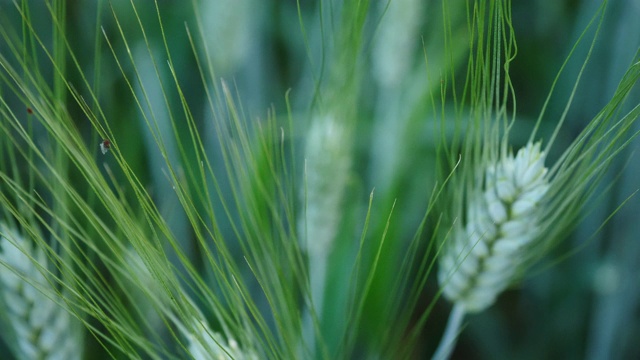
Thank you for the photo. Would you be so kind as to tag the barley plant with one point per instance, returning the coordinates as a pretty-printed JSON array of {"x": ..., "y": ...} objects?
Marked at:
[{"x": 264, "y": 179}]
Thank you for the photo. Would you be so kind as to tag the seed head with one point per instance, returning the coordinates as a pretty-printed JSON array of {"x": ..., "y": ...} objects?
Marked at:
[
  {"x": 205, "y": 344},
  {"x": 43, "y": 329},
  {"x": 487, "y": 253}
]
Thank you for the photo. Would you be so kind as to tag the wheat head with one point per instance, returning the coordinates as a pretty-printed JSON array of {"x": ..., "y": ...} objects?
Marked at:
[{"x": 487, "y": 253}]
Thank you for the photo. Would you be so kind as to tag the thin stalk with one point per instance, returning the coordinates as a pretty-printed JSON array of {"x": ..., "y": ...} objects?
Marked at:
[{"x": 451, "y": 333}]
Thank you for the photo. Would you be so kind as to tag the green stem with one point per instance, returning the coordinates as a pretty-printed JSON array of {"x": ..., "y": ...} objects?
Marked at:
[{"x": 451, "y": 333}]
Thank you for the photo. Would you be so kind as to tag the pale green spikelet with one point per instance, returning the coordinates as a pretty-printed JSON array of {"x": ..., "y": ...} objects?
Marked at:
[
  {"x": 327, "y": 167},
  {"x": 206, "y": 344},
  {"x": 230, "y": 25},
  {"x": 42, "y": 328},
  {"x": 396, "y": 41},
  {"x": 503, "y": 219}
]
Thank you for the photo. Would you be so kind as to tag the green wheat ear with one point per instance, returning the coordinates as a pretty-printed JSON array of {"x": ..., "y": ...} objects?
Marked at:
[
  {"x": 509, "y": 211},
  {"x": 42, "y": 328},
  {"x": 205, "y": 344},
  {"x": 503, "y": 219}
]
